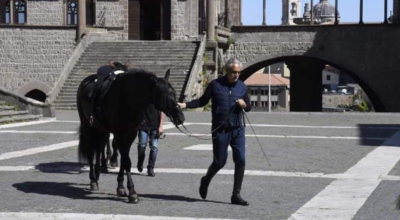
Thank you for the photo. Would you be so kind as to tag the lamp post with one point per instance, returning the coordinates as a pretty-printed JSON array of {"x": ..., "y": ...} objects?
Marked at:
[{"x": 264, "y": 12}]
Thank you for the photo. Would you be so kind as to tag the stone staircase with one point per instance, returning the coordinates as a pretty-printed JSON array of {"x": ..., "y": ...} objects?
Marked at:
[
  {"x": 11, "y": 114},
  {"x": 153, "y": 56}
]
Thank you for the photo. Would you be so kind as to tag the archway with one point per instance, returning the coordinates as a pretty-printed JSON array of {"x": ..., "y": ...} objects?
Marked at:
[
  {"x": 306, "y": 81},
  {"x": 37, "y": 95}
]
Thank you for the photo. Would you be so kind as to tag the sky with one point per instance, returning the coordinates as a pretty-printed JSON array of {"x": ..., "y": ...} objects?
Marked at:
[{"x": 349, "y": 11}]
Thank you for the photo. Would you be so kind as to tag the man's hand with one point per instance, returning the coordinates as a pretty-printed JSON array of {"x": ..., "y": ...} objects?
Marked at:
[
  {"x": 182, "y": 105},
  {"x": 241, "y": 103}
]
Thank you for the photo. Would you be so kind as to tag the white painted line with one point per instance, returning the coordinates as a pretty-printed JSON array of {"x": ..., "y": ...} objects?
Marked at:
[
  {"x": 42, "y": 121},
  {"x": 202, "y": 171},
  {"x": 344, "y": 197},
  {"x": 37, "y": 150},
  {"x": 207, "y": 147},
  {"x": 378, "y": 127},
  {"x": 84, "y": 216},
  {"x": 38, "y": 132},
  {"x": 311, "y": 126},
  {"x": 290, "y": 136},
  {"x": 66, "y": 121}
]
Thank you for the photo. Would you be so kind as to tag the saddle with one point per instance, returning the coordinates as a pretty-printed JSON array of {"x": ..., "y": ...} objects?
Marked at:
[{"x": 97, "y": 96}]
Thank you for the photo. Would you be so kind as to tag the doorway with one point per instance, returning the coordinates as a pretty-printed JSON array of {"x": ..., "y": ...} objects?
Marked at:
[{"x": 150, "y": 20}]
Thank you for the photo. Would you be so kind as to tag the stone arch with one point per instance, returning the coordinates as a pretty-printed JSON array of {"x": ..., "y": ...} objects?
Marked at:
[
  {"x": 35, "y": 89},
  {"x": 253, "y": 65}
]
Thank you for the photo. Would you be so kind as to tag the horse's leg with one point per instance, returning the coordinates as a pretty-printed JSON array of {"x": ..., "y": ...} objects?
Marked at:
[
  {"x": 108, "y": 150},
  {"x": 114, "y": 157},
  {"x": 120, "y": 179},
  {"x": 104, "y": 142},
  {"x": 94, "y": 186},
  {"x": 124, "y": 146}
]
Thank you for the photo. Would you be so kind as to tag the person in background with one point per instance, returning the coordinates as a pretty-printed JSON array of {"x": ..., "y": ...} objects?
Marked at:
[{"x": 149, "y": 132}]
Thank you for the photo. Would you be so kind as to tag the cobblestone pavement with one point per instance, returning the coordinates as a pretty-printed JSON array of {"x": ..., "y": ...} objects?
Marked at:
[{"x": 320, "y": 166}]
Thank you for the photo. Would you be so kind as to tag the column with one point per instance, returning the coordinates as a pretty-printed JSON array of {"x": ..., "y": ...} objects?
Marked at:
[
  {"x": 12, "y": 12},
  {"x": 81, "y": 19},
  {"x": 210, "y": 20},
  {"x": 361, "y": 11},
  {"x": 305, "y": 85}
]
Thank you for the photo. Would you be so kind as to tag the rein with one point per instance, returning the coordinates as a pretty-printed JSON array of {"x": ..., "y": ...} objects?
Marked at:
[{"x": 200, "y": 137}]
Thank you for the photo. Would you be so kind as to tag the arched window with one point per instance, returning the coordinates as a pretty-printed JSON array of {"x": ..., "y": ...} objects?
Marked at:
[
  {"x": 20, "y": 11},
  {"x": 293, "y": 12},
  {"x": 72, "y": 12},
  {"x": 7, "y": 13}
]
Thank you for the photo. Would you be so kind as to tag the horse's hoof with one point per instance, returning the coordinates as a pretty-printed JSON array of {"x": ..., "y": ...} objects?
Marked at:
[
  {"x": 121, "y": 192},
  {"x": 114, "y": 164},
  {"x": 94, "y": 186},
  {"x": 134, "y": 199},
  {"x": 104, "y": 170}
]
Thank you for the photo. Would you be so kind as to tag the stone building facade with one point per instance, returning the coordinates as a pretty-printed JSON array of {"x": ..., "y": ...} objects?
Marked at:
[{"x": 39, "y": 39}]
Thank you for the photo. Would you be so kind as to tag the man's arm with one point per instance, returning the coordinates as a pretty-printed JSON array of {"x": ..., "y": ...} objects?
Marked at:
[
  {"x": 160, "y": 127},
  {"x": 200, "y": 102}
]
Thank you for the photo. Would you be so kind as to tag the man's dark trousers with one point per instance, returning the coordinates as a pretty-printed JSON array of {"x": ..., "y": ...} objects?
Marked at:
[{"x": 221, "y": 140}]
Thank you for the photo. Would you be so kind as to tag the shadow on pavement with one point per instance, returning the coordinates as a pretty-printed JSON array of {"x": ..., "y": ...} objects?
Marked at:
[
  {"x": 60, "y": 167},
  {"x": 68, "y": 190},
  {"x": 177, "y": 198}
]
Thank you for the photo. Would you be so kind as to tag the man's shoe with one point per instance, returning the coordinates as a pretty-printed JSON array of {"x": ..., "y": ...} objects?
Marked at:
[
  {"x": 236, "y": 199},
  {"x": 203, "y": 187},
  {"x": 140, "y": 166},
  {"x": 150, "y": 171}
]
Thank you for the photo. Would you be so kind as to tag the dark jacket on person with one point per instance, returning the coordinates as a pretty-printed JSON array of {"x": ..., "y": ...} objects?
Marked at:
[
  {"x": 151, "y": 119},
  {"x": 223, "y": 96}
]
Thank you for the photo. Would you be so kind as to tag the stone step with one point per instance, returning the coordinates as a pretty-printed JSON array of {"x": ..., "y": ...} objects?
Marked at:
[
  {"x": 5, "y": 114},
  {"x": 4, "y": 107},
  {"x": 19, "y": 118}
]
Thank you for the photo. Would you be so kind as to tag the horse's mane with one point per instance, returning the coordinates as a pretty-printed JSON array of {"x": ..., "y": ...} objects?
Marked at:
[{"x": 140, "y": 73}]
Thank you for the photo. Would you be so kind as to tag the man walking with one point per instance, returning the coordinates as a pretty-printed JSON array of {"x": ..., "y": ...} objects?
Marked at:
[
  {"x": 149, "y": 131},
  {"x": 229, "y": 98}
]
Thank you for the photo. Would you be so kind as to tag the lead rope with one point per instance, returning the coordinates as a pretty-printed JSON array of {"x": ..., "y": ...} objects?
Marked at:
[
  {"x": 259, "y": 144},
  {"x": 199, "y": 137}
]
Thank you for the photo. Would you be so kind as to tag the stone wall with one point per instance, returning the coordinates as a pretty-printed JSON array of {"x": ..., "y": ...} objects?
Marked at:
[
  {"x": 112, "y": 14},
  {"x": 45, "y": 13},
  {"x": 372, "y": 61},
  {"x": 234, "y": 13},
  {"x": 32, "y": 54},
  {"x": 184, "y": 20}
]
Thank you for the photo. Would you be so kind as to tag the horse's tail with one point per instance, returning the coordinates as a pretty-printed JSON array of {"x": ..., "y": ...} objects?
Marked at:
[{"x": 84, "y": 147}]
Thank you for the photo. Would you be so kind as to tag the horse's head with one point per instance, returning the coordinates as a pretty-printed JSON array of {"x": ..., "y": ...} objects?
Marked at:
[{"x": 165, "y": 100}]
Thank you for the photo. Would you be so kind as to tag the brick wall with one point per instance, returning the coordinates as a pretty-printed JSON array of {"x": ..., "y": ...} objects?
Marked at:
[
  {"x": 45, "y": 12},
  {"x": 184, "y": 20},
  {"x": 33, "y": 54}
]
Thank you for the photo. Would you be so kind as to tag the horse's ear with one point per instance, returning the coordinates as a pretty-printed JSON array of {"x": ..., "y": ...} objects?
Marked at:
[
  {"x": 166, "y": 77},
  {"x": 111, "y": 64}
]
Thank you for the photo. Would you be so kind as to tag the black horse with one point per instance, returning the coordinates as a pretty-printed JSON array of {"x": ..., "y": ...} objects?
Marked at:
[{"x": 121, "y": 109}]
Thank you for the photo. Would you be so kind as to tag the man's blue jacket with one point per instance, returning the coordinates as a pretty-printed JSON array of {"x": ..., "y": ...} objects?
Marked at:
[{"x": 223, "y": 96}]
